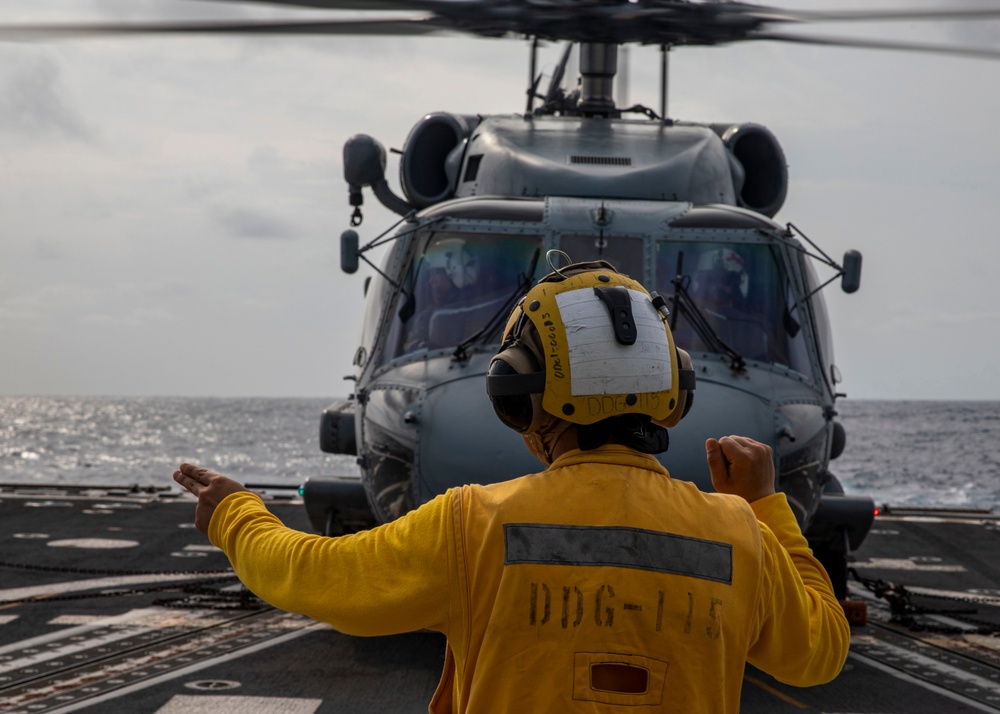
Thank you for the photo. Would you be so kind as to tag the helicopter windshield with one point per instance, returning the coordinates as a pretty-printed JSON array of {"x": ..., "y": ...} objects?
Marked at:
[
  {"x": 457, "y": 285},
  {"x": 743, "y": 291}
]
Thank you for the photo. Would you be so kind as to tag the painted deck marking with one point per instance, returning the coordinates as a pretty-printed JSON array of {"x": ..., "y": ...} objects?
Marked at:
[
  {"x": 36, "y": 656},
  {"x": 93, "y": 543},
  {"x": 193, "y": 704},
  {"x": 940, "y": 519},
  {"x": 77, "y": 633},
  {"x": 71, "y": 586},
  {"x": 898, "y": 674},
  {"x": 933, "y": 667},
  {"x": 775, "y": 692},
  {"x": 198, "y": 668},
  {"x": 907, "y": 564},
  {"x": 978, "y": 598},
  {"x": 180, "y": 644}
]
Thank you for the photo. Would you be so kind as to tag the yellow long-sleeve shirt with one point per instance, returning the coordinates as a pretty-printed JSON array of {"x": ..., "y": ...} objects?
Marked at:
[{"x": 597, "y": 584}]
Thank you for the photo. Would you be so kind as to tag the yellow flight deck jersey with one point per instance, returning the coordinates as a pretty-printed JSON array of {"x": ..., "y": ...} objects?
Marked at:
[{"x": 598, "y": 585}]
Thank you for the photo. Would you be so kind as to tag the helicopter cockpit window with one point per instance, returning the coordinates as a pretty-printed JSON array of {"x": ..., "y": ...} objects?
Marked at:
[
  {"x": 459, "y": 284},
  {"x": 743, "y": 292}
]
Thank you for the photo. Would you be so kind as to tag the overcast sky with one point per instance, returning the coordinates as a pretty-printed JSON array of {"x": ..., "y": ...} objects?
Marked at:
[{"x": 170, "y": 208}]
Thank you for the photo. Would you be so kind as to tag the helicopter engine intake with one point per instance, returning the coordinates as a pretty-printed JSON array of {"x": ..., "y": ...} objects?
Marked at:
[
  {"x": 763, "y": 185},
  {"x": 432, "y": 157}
]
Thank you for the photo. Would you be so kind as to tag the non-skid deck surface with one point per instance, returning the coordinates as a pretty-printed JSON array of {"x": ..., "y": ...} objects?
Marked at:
[{"x": 133, "y": 614}]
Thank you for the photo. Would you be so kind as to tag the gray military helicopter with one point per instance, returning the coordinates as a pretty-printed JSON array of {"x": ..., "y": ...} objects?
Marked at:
[
  {"x": 685, "y": 208},
  {"x": 492, "y": 203}
]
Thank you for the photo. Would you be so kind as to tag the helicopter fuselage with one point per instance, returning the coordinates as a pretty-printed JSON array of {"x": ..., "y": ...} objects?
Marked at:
[{"x": 684, "y": 209}]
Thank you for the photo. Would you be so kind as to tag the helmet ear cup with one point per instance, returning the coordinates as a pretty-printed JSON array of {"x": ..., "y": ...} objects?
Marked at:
[
  {"x": 516, "y": 405},
  {"x": 514, "y": 410},
  {"x": 685, "y": 392}
]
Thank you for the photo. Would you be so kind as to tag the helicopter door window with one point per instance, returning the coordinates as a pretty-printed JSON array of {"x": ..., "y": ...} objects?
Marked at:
[
  {"x": 743, "y": 292},
  {"x": 457, "y": 285},
  {"x": 623, "y": 253},
  {"x": 797, "y": 354},
  {"x": 376, "y": 293}
]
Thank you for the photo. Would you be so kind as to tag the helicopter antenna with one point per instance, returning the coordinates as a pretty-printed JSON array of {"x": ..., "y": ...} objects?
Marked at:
[
  {"x": 556, "y": 99},
  {"x": 532, "y": 79},
  {"x": 664, "y": 76},
  {"x": 555, "y": 84}
]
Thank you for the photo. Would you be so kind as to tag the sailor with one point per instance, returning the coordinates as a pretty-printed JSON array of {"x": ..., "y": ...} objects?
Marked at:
[{"x": 600, "y": 584}]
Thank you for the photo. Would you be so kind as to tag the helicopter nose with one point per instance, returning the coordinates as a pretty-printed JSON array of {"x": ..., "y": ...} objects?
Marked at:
[
  {"x": 458, "y": 427},
  {"x": 719, "y": 410}
]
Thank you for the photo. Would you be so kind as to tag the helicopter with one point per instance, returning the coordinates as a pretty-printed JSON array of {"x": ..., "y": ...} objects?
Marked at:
[{"x": 686, "y": 208}]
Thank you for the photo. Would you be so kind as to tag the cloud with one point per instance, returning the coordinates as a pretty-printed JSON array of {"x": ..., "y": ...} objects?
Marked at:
[
  {"x": 136, "y": 316},
  {"x": 34, "y": 102},
  {"x": 244, "y": 222},
  {"x": 48, "y": 250},
  {"x": 974, "y": 33},
  {"x": 33, "y": 305},
  {"x": 147, "y": 10}
]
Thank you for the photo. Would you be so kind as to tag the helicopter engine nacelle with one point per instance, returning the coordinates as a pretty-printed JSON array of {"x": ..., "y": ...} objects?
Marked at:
[
  {"x": 764, "y": 181},
  {"x": 432, "y": 157}
]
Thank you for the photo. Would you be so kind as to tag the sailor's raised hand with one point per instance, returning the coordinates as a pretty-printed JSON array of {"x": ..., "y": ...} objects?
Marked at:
[
  {"x": 209, "y": 487},
  {"x": 741, "y": 466}
]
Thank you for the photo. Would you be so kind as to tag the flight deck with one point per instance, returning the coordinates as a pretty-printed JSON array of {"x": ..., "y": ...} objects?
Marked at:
[{"x": 110, "y": 601}]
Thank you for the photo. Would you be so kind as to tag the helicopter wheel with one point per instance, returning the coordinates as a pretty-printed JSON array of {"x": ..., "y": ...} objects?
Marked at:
[{"x": 834, "y": 561}]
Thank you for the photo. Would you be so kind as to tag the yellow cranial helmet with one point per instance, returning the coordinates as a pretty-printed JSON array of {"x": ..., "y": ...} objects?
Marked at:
[{"x": 588, "y": 344}]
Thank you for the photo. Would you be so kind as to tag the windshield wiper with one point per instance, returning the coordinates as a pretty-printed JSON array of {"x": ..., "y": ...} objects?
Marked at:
[
  {"x": 684, "y": 304},
  {"x": 461, "y": 351}
]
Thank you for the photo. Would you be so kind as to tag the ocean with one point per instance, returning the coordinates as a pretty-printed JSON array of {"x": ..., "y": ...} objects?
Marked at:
[
  {"x": 112, "y": 441},
  {"x": 901, "y": 453}
]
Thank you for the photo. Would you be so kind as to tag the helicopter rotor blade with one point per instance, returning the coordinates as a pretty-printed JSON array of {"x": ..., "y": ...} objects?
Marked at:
[
  {"x": 331, "y": 4},
  {"x": 663, "y": 22},
  {"x": 721, "y": 9},
  {"x": 387, "y": 26},
  {"x": 804, "y": 16},
  {"x": 981, "y": 53}
]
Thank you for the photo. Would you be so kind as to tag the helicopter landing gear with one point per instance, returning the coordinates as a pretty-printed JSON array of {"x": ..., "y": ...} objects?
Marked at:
[{"x": 834, "y": 561}]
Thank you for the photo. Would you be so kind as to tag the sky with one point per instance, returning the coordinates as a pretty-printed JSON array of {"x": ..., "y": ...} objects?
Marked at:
[{"x": 170, "y": 208}]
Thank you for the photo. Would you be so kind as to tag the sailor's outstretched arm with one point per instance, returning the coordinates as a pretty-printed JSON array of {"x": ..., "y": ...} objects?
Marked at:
[
  {"x": 391, "y": 579},
  {"x": 210, "y": 488}
]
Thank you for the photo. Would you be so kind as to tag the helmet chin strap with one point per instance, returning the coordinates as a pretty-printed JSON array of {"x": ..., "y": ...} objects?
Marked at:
[
  {"x": 633, "y": 430},
  {"x": 642, "y": 435}
]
